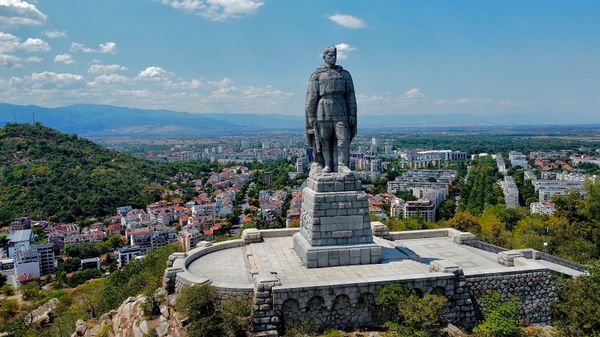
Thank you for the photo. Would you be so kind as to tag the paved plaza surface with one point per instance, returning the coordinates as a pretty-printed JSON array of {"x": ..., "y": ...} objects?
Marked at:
[
  {"x": 401, "y": 259},
  {"x": 225, "y": 268}
]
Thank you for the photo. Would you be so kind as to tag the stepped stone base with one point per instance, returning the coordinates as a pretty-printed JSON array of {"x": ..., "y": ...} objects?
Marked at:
[
  {"x": 340, "y": 255},
  {"x": 335, "y": 226}
]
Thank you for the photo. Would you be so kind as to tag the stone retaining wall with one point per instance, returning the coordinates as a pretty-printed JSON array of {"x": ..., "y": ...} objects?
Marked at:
[
  {"x": 266, "y": 322},
  {"x": 346, "y": 306},
  {"x": 535, "y": 290}
]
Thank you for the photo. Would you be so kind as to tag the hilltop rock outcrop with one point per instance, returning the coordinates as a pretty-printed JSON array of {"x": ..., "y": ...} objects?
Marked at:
[{"x": 129, "y": 320}]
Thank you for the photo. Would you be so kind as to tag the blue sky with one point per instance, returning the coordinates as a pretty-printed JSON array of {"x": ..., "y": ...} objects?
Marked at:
[{"x": 537, "y": 58}]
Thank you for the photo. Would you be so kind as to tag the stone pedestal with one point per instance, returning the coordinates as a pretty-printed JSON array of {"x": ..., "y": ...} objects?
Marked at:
[{"x": 335, "y": 225}]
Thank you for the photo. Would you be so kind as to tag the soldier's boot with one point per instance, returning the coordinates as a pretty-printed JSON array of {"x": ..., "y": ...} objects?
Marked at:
[{"x": 315, "y": 168}]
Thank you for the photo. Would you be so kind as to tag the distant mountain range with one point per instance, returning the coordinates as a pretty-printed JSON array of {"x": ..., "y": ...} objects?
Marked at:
[{"x": 111, "y": 121}]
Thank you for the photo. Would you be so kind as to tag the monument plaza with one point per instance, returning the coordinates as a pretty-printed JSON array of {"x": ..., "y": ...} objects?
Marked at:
[{"x": 331, "y": 268}]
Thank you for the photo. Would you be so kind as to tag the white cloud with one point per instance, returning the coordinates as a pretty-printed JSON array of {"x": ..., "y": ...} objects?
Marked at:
[
  {"x": 54, "y": 34},
  {"x": 217, "y": 10},
  {"x": 10, "y": 61},
  {"x": 108, "y": 48},
  {"x": 15, "y": 13},
  {"x": 185, "y": 85},
  {"x": 347, "y": 21},
  {"x": 154, "y": 87},
  {"x": 97, "y": 69},
  {"x": 77, "y": 47},
  {"x": 108, "y": 79},
  {"x": 47, "y": 80},
  {"x": 10, "y": 43},
  {"x": 104, "y": 48},
  {"x": 154, "y": 74},
  {"x": 342, "y": 50},
  {"x": 34, "y": 59},
  {"x": 224, "y": 86},
  {"x": 33, "y": 45},
  {"x": 478, "y": 102},
  {"x": 412, "y": 94},
  {"x": 64, "y": 58},
  {"x": 388, "y": 101}
]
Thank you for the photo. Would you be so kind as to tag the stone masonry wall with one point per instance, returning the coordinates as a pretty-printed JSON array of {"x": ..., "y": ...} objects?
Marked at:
[
  {"x": 265, "y": 321},
  {"x": 535, "y": 289},
  {"x": 351, "y": 306},
  {"x": 346, "y": 306}
]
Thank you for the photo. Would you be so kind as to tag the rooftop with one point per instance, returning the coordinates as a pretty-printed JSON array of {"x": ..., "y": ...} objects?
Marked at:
[{"x": 20, "y": 235}]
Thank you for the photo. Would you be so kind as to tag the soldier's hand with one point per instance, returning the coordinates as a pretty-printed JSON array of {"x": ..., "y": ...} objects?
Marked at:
[{"x": 352, "y": 120}]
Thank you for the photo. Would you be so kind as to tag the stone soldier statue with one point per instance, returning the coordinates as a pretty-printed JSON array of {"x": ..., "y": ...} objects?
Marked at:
[{"x": 330, "y": 115}]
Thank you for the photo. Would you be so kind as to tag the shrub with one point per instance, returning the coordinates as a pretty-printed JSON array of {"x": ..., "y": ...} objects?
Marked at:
[
  {"x": 409, "y": 314},
  {"x": 578, "y": 311},
  {"x": 306, "y": 328},
  {"x": 423, "y": 314},
  {"x": 334, "y": 333},
  {"x": 500, "y": 317},
  {"x": 7, "y": 290},
  {"x": 30, "y": 290},
  {"x": 200, "y": 304},
  {"x": 9, "y": 308},
  {"x": 70, "y": 265},
  {"x": 388, "y": 298},
  {"x": 237, "y": 314},
  {"x": 151, "y": 304}
]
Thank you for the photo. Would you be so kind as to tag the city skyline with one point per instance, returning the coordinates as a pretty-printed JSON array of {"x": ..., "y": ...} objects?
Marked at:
[{"x": 253, "y": 56}]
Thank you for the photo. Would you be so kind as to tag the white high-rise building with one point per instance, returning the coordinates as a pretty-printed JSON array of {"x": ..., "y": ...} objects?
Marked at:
[
  {"x": 517, "y": 159},
  {"x": 500, "y": 163},
  {"x": 388, "y": 150},
  {"x": 511, "y": 192}
]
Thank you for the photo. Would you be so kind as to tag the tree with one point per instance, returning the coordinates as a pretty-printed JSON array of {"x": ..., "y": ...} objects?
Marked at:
[
  {"x": 578, "y": 311},
  {"x": 447, "y": 209},
  {"x": 388, "y": 296},
  {"x": 3, "y": 279},
  {"x": 493, "y": 229},
  {"x": 409, "y": 314},
  {"x": 464, "y": 222},
  {"x": 500, "y": 317},
  {"x": 237, "y": 315},
  {"x": 200, "y": 304},
  {"x": 406, "y": 195},
  {"x": 70, "y": 265},
  {"x": 531, "y": 232},
  {"x": 423, "y": 316},
  {"x": 114, "y": 242},
  {"x": 30, "y": 290},
  {"x": 416, "y": 222}
]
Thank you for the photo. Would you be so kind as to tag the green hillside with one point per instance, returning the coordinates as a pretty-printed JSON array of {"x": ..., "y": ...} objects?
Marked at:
[{"x": 45, "y": 173}]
